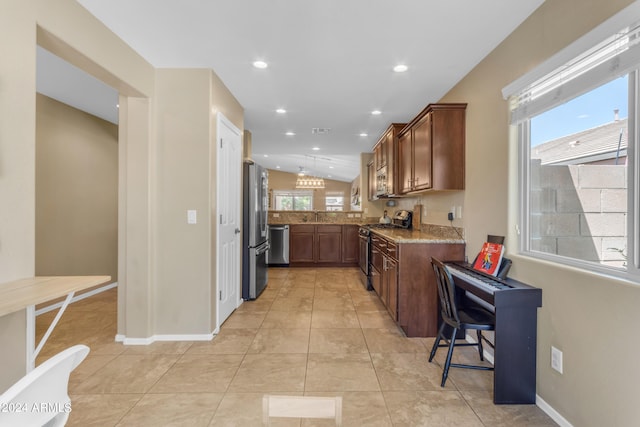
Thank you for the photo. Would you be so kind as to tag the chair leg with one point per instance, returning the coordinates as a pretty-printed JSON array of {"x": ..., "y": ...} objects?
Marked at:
[
  {"x": 480, "y": 344},
  {"x": 452, "y": 343},
  {"x": 436, "y": 343}
]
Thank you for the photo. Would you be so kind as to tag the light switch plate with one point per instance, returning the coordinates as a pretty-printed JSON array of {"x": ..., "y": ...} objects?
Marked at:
[{"x": 192, "y": 216}]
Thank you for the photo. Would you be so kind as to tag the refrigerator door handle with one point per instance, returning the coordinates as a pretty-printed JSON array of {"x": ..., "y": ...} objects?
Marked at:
[{"x": 262, "y": 249}]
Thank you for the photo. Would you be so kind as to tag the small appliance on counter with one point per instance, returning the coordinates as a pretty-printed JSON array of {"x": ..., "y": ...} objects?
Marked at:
[{"x": 400, "y": 219}]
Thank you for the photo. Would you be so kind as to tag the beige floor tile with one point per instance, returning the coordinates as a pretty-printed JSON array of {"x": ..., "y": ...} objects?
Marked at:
[
  {"x": 270, "y": 373},
  {"x": 295, "y": 292},
  {"x": 228, "y": 341},
  {"x": 376, "y": 320},
  {"x": 505, "y": 415},
  {"x": 337, "y": 341},
  {"x": 332, "y": 303},
  {"x": 359, "y": 409},
  {"x": 280, "y": 341},
  {"x": 100, "y": 410},
  {"x": 407, "y": 371},
  {"x": 160, "y": 347},
  {"x": 245, "y": 410},
  {"x": 430, "y": 408},
  {"x": 340, "y": 372},
  {"x": 127, "y": 374},
  {"x": 392, "y": 341},
  {"x": 199, "y": 373},
  {"x": 89, "y": 366},
  {"x": 324, "y": 292},
  {"x": 292, "y": 304},
  {"x": 244, "y": 320},
  {"x": 287, "y": 319},
  {"x": 258, "y": 305},
  {"x": 334, "y": 319},
  {"x": 183, "y": 409}
]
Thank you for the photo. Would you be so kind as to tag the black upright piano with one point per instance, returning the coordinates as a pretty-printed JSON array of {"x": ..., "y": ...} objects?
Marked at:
[{"x": 516, "y": 309}]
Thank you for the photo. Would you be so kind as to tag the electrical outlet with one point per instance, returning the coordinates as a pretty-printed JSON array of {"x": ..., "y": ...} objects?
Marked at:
[
  {"x": 459, "y": 212},
  {"x": 556, "y": 359}
]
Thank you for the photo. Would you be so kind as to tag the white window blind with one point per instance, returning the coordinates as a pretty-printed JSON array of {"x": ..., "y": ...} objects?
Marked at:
[
  {"x": 610, "y": 59},
  {"x": 580, "y": 67}
]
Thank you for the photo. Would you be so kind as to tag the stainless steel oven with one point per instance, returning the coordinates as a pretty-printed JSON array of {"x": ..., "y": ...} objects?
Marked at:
[{"x": 365, "y": 253}]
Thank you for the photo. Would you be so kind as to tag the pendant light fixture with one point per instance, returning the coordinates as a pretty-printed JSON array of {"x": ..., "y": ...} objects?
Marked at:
[{"x": 308, "y": 182}]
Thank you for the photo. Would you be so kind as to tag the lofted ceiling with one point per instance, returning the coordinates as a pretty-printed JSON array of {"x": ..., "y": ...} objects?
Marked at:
[{"x": 330, "y": 63}]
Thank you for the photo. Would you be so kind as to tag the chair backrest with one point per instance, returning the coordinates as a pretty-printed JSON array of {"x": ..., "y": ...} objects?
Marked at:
[
  {"x": 41, "y": 396},
  {"x": 301, "y": 407},
  {"x": 446, "y": 293}
]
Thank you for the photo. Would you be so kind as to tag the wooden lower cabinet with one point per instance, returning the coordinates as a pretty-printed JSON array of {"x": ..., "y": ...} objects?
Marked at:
[
  {"x": 301, "y": 244},
  {"x": 405, "y": 282},
  {"x": 323, "y": 244},
  {"x": 329, "y": 243}
]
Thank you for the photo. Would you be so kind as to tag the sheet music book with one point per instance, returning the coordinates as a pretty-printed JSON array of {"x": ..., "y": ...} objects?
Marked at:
[{"x": 489, "y": 258}]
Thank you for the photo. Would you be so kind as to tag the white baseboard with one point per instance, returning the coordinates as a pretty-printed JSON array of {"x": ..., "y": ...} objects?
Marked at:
[
  {"x": 77, "y": 298},
  {"x": 548, "y": 409},
  {"x": 555, "y": 415},
  {"x": 146, "y": 341}
]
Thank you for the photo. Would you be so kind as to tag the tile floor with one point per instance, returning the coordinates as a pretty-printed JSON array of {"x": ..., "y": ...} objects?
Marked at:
[{"x": 312, "y": 331}]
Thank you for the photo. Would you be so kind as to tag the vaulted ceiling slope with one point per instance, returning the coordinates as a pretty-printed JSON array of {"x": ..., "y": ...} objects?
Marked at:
[{"x": 330, "y": 62}]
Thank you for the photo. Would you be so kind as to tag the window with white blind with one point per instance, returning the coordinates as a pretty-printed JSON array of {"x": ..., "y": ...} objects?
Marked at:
[{"x": 577, "y": 150}]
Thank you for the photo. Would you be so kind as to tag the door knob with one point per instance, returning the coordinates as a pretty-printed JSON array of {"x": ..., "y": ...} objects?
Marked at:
[{"x": 237, "y": 230}]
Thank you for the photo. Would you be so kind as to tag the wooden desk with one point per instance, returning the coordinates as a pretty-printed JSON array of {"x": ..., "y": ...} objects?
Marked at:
[{"x": 26, "y": 293}]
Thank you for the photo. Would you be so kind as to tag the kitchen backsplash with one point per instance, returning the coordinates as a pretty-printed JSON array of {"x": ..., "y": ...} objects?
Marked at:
[{"x": 299, "y": 217}]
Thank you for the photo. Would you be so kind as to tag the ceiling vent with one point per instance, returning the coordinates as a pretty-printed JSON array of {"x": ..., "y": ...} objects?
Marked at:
[{"x": 320, "y": 131}]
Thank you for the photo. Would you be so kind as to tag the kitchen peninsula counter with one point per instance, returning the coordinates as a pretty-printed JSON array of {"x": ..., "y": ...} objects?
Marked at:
[{"x": 399, "y": 235}]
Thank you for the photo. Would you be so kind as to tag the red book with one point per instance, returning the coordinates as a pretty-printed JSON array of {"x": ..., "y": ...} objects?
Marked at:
[{"x": 489, "y": 258}]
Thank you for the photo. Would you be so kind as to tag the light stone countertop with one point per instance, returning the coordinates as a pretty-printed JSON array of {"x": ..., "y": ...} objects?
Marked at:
[{"x": 414, "y": 236}]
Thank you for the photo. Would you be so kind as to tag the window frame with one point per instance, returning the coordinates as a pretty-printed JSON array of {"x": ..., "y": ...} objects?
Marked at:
[
  {"x": 293, "y": 194},
  {"x": 522, "y": 125}
]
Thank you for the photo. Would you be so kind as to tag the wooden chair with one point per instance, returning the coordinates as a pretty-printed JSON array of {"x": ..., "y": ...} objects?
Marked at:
[
  {"x": 471, "y": 317},
  {"x": 301, "y": 407}
]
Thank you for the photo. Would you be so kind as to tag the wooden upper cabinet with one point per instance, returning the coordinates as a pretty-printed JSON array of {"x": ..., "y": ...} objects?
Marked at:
[
  {"x": 372, "y": 190},
  {"x": 405, "y": 162},
  {"x": 431, "y": 149},
  {"x": 386, "y": 154},
  {"x": 421, "y": 133}
]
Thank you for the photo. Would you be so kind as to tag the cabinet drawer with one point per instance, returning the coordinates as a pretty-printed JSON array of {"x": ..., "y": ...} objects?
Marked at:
[
  {"x": 302, "y": 228},
  {"x": 329, "y": 228},
  {"x": 379, "y": 243},
  {"x": 392, "y": 250}
]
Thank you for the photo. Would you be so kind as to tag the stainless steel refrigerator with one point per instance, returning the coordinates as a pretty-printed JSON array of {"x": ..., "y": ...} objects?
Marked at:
[{"x": 255, "y": 231}]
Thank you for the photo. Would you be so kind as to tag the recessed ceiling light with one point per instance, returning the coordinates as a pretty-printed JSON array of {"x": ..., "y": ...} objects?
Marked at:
[
  {"x": 364, "y": 134},
  {"x": 260, "y": 64},
  {"x": 330, "y": 167},
  {"x": 277, "y": 167},
  {"x": 400, "y": 68},
  {"x": 265, "y": 155},
  {"x": 290, "y": 133},
  {"x": 281, "y": 111},
  {"x": 376, "y": 112},
  {"x": 316, "y": 148}
]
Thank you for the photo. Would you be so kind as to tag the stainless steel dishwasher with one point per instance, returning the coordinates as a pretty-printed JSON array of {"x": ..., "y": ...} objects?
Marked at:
[{"x": 278, "y": 253}]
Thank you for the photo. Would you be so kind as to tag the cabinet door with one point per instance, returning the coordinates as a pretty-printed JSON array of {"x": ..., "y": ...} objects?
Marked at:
[
  {"x": 422, "y": 154},
  {"x": 371, "y": 171},
  {"x": 350, "y": 244},
  {"x": 405, "y": 166},
  {"x": 301, "y": 244},
  {"x": 376, "y": 280},
  {"x": 329, "y": 240},
  {"x": 392, "y": 288}
]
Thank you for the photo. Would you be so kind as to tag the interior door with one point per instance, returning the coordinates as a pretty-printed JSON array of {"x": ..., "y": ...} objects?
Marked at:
[{"x": 228, "y": 218}]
